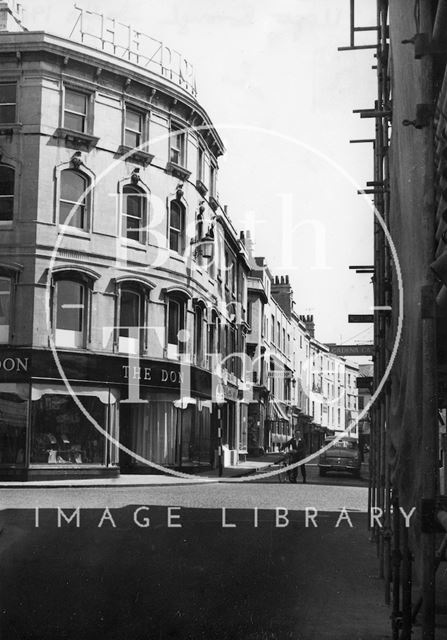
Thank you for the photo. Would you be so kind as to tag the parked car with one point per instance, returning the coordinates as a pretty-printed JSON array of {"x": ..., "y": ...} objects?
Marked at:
[{"x": 343, "y": 456}]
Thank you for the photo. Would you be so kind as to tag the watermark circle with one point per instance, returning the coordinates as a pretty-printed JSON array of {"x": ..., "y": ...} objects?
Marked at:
[{"x": 187, "y": 477}]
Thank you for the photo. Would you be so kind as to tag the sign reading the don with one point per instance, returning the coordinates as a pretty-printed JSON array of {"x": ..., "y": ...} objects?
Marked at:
[
  {"x": 14, "y": 367},
  {"x": 161, "y": 375},
  {"x": 13, "y": 364}
]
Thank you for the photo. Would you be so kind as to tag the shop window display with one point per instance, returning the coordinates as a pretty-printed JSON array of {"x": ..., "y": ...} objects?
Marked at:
[
  {"x": 13, "y": 417},
  {"x": 62, "y": 434}
]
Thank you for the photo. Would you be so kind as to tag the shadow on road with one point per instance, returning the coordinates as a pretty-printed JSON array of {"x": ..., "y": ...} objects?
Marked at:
[{"x": 125, "y": 573}]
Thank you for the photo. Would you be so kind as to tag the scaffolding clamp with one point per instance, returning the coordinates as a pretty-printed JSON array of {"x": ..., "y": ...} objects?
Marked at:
[
  {"x": 424, "y": 116},
  {"x": 422, "y": 44}
]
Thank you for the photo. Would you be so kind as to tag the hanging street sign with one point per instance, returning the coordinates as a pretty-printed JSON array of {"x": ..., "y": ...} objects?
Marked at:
[
  {"x": 361, "y": 318},
  {"x": 352, "y": 349}
]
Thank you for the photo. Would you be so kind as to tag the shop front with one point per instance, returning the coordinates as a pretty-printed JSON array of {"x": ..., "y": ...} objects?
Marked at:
[
  {"x": 277, "y": 425},
  {"x": 50, "y": 427},
  {"x": 257, "y": 416},
  {"x": 167, "y": 431}
]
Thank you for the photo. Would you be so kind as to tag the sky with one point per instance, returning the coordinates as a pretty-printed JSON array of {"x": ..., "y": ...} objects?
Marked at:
[{"x": 281, "y": 96}]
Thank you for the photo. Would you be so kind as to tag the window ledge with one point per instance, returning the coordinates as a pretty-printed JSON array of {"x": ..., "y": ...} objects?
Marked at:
[
  {"x": 177, "y": 170},
  {"x": 76, "y": 138},
  {"x": 201, "y": 188},
  {"x": 9, "y": 128},
  {"x": 67, "y": 230},
  {"x": 177, "y": 256},
  {"x": 135, "y": 155},
  {"x": 133, "y": 244}
]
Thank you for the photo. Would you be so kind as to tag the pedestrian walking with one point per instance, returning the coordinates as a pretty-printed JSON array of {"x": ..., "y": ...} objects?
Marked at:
[{"x": 297, "y": 451}]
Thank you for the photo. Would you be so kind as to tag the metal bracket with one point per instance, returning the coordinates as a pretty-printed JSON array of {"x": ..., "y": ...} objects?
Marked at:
[
  {"x": 424, "y": 45},
  {"x": 424, "y": 116},
  {"x": 422, "y": 42}
]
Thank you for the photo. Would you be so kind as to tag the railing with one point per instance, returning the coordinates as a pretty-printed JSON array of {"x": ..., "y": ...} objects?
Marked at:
[{"x": 126, "y": 42}]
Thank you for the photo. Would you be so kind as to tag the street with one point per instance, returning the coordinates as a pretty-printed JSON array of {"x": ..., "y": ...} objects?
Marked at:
[
  {"x": 333, "y": 479},
  {"x": 235, "y": 561}
]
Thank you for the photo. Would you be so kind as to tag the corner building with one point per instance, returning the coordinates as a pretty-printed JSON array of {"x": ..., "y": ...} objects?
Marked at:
[{"x": 122, "y": 279}]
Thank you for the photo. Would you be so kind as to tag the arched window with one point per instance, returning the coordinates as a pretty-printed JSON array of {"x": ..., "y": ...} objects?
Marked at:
[
  {"x": 199, "y": 333},
  {"x": 131, "y": 321},
  {"x": 133, "y": 219},
  {"x": 176, "y": 323},
  {"x": 7, "y": 175},
  {"x": 71, "y": 309},
  {"x": 177, "y": 227},
  {"x": 73, "y": 205},
  {"x": 5, "y": 308}
]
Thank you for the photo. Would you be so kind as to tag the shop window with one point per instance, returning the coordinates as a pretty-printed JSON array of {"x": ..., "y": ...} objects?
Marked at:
[
  {"x": 176, "y": 325},
  {"x": 133, "y": 130},
  {"x": 71, "y": 313},
  {"x": 73, "y": 199},
  {"x": 76, "y": 111},
  {"x": 5, "y": 309},
  {"x": 62, "y": 434},
  {"x": 8, "y": 93},
  {"x": 13, "y": 421},
  {"x": 7, "y": 175},
  {"x": 177, "y": 227},
  {"x": 177, "y": 146},
  {"x": 131, "y": 321},
  {"x": 133, "y": 219}
]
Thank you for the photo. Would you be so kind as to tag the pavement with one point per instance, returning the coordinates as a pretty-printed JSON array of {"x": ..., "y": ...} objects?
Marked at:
[
  {"x": 248, "y": 467},
  {"x": 263, "y": 468}
]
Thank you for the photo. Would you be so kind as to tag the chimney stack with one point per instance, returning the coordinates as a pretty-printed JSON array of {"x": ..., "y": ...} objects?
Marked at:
[
  {"x": 309, "y": 324},
  {"x": 282, "y": 294},
  {"x": 11, "y": 14}
]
